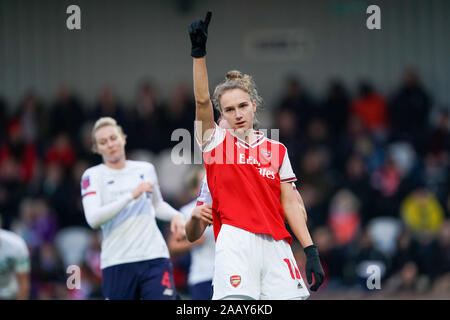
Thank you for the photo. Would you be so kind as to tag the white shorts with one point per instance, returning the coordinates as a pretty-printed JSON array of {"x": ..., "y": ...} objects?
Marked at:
[{"x": 256, "y": 266}]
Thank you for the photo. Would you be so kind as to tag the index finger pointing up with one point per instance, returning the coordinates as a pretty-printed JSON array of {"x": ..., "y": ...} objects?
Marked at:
[{"x": 208, "y": 18}]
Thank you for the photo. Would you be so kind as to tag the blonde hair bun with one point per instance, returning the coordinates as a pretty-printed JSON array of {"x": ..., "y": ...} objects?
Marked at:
[{"x": 234, "y": 75}]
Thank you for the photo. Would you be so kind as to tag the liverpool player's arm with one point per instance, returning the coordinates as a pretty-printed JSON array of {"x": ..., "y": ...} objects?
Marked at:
[
  {"x": 295, "y": 214},
  {"x": 97, "y": 213}
]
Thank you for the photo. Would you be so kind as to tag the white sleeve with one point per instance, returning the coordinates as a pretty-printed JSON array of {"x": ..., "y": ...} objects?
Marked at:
[
  {"x": 22, "y": 261},
  {"x": 96, "y": 214},
  {"x": 163, "y": 210},
  {"x": 204, "y": 196},
  {"x": 214, "y": 140},
  {"x": 286, "y": 172}
]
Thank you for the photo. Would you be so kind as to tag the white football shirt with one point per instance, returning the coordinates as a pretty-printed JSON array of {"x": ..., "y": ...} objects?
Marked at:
[
  {"x": 14, "y": 258},
  {"x": 202, "y": 256},
  {"x": 129, "y": 228}
]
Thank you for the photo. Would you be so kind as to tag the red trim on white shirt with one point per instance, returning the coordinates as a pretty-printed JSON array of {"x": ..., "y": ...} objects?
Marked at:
[{"x": 89, "y": 193}]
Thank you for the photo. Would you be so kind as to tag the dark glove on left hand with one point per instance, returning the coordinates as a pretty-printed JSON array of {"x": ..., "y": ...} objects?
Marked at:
[
  {"x": 313, "y": 267},
  {"x": 198, "y": 32}
]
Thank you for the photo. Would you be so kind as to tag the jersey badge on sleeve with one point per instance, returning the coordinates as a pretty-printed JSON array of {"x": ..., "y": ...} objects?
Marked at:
[{"x": 85, "y": 183}]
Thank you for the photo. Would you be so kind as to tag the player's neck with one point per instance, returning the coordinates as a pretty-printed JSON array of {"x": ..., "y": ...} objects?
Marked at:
[
  {"x": 117, "y": 165},
  {"x": 248, "y": 136}
]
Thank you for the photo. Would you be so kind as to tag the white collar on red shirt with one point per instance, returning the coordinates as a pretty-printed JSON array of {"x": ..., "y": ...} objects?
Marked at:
[{"x": 259, "y": 138}]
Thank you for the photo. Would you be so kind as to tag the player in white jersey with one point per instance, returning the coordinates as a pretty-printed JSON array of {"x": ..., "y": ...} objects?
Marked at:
[
  {"x": 14, "y": 266},
  {"x": 201, "y": 269},
  {"x": 122, "y": 197}
]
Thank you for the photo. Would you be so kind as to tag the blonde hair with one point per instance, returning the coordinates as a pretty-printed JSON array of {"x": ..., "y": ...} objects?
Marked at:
[
  {"x": 103, "y": 122},
  {"x": 235, "y": 79}
]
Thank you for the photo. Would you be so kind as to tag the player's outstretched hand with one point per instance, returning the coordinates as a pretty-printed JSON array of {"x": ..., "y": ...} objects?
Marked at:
[
  {"x": 313, "y": 267},
  {"x": 177, "y": 227},
  {"x": 198, "y": 32}
]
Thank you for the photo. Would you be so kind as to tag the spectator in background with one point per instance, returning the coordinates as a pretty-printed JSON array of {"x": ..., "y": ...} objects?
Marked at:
[
  {"x": 66, "y": 114},
  {"x": 370, "y": 108},
  {"x": 144, "y": 121},
  {"x": 344, "y": 218},
  {"x": 367, "y": 255},
  {"x": 442, "y": 260},
  {"x": 73, "y": 212},
  {"x": 91, "y": 268},
  {"x": 108, "y": 106},
  {"x": 18, "y": 150},
  {"x": 289, "y": 133},
  {"x": 317, "y": 134},
  {"x": 62, "y": 194},
  {"x": 437, "y": 174},
  {"x": 18, "y": 160},
  {"x": 48, "y": 274},
  {"x": 60, "y": 152},
  {"x": 440, "y": 135},
  {"x": 332, "y": 256},
  {"x": 407, "y": 281},
  {"x": 33, "y": 118},
  {"x": 405, "y": 251},
  {"x": 386, "y": 180},
  {"x": 422, "y": 213},
  {"x": 178, "y": 113},
  {"x": 316, "y": 184},
  {"x": 296, "y": 99},
  {"x": 409, "y": 111},
  {"x": 356, "y": 180},
  {"x": 336, "y": 108}
]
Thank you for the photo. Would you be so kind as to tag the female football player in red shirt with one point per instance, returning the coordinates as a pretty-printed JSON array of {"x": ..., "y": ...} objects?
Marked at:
[{"x": 250, "y": 180}]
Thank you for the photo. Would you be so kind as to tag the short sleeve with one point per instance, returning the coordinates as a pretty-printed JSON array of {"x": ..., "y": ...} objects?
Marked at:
[
  {"x": 286, "y": 172},
  {"x": 214, "y": 140},
  {"x": 88, "y": 184}
]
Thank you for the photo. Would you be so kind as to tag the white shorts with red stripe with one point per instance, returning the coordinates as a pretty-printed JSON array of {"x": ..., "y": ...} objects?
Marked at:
[{"x": 255, "y": 266}]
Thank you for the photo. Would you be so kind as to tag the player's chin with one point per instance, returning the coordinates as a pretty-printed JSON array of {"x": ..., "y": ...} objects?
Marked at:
[
  {"x": 115, "y": 158},
  {"x": 241, "y": 131}
]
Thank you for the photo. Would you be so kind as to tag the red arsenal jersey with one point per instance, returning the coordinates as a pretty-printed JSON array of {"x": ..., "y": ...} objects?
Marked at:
[{"x": 244, "y": 181}]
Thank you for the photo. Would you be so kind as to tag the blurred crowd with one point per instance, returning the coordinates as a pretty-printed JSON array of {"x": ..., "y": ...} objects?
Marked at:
[{"x": 372, "y": 168}]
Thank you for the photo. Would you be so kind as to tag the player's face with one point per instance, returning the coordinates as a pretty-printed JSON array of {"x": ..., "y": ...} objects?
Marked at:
[
  {"x": 110, "y": 144},
  {"x": 238, "y": 110}
]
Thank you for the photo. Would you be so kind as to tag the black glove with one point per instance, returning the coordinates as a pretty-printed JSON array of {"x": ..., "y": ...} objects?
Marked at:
[
  {"x": 198, "y": 31},
  {"x": 314, "y": 267}
]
